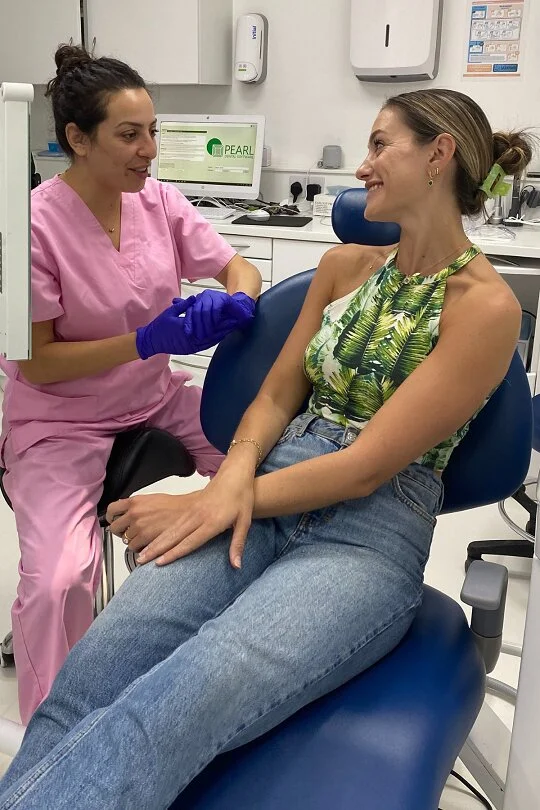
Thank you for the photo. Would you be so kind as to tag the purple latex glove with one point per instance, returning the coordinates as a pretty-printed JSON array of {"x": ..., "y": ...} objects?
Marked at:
[
  {"x": 216, "y": 313},
  {"x": 246, "y": 303},
  {"x": 166, "y": 334}
]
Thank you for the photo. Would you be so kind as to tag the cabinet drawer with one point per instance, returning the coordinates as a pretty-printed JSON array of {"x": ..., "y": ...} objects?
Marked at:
[
  {"x": 264, "y": 266},
  {"x": 195, "y": 360},
  {"x": 198, "y": 286},
  {"x": 189, "y": 361},
  {"x": 256, "y": 247},
  {"x": 293, "y": 256},
  {"x": 195, "y": 287}
]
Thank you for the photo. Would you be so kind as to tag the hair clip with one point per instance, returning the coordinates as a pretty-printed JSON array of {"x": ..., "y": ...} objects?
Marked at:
[{"x": 493, "y": 185}]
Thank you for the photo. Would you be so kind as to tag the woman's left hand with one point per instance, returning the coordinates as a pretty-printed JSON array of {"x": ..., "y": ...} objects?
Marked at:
[{"x": 168, "y": 527}]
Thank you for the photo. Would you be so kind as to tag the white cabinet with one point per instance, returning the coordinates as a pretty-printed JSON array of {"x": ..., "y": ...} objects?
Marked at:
[
  {"x": 523, "y": 276},
  {"x": 47, "y": 167},
  {"x": 292, "y": 256},
  {"x": 167, "y": 42},
  {"x": 30, "y": 32}
]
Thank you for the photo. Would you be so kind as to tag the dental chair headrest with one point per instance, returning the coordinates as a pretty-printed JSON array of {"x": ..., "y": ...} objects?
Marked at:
[{"x": 350, "y": 226}]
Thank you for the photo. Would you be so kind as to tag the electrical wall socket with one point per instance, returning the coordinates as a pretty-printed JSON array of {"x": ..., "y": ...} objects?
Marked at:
[{"x": 303, "y": 180}]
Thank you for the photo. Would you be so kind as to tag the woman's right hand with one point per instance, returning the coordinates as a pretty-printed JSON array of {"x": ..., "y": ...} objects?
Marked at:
[{"x": 227, "y": 502}]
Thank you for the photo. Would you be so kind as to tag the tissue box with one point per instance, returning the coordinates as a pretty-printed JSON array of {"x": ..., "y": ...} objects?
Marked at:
[{"x": 322, "y": 205}]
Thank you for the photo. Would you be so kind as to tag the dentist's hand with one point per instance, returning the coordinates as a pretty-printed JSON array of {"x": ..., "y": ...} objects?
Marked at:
[
  {"x": 215, "y": 313},
  {"x": 166, "y": 334},
  {"x": 195, "y": 323}
]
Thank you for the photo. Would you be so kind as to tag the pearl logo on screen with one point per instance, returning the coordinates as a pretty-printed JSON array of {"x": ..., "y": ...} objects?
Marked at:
[{"x": 216, "y": 148}]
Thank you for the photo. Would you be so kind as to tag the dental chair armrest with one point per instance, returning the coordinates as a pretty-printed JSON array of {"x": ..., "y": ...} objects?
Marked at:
[{"x": 484, "y": 590}]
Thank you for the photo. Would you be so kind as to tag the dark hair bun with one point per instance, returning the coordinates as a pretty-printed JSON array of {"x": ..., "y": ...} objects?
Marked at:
[
  {"x": 82, "y": 87},
  {"x": 69, "y": 57},
  {"x": 513, "y": 151}
]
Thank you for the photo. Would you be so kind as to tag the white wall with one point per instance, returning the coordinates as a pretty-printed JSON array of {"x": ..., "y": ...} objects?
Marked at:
[{"x": 311, "y": 97}]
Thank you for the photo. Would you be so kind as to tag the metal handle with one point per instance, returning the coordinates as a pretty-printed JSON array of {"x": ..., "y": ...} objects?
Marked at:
[
  {"x": 93, "y": 47},
  {"x": 500, "y": 260},
  {"x": 239, "y": 246}
]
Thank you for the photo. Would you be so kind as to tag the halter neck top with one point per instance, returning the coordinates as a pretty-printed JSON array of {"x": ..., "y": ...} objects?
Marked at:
[{"x": 372, "y": 339}]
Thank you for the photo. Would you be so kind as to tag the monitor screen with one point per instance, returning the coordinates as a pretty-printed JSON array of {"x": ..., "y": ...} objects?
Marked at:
[{"x": 210, "y": 155}]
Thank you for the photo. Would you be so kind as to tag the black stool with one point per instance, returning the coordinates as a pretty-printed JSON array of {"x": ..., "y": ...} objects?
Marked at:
[{"x": 139, "y": 457}]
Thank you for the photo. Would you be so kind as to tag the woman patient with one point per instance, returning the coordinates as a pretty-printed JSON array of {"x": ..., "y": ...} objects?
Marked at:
[{"x": 301, "y": 563}]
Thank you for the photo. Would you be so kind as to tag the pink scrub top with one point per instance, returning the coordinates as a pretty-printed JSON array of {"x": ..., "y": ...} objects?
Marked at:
[{"x": 92, "y": 291}]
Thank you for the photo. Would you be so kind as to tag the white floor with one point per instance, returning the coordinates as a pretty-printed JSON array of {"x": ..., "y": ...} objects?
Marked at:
[{"x": 445, "y": 571}]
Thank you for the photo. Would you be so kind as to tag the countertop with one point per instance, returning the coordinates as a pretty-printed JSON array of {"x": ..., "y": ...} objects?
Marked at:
[
  {"x": 314, "y": 231},
  {"x": 526, "y": 243}
]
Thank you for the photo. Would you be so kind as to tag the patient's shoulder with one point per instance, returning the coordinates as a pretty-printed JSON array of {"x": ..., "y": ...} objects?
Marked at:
[{"x": 349, "y": 266}]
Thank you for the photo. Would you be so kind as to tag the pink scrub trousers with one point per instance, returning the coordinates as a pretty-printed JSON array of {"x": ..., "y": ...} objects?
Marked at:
[
  {"x": 57, "y": 437},
  {"x": 54, "y": 487}
]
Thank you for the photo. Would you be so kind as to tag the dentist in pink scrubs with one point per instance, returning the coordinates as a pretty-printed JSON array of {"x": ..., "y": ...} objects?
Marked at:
[{"x": 110, "y": 247}]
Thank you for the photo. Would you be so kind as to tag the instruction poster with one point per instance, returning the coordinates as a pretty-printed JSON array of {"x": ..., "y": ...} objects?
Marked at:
[{"x": 494, "y": 38}]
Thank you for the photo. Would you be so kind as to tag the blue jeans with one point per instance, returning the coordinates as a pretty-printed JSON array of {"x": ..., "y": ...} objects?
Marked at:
[{"x": 196, "y": 658}]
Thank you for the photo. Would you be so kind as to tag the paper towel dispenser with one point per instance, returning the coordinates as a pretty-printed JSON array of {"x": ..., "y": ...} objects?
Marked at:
[{"x": 395, "y": 40}]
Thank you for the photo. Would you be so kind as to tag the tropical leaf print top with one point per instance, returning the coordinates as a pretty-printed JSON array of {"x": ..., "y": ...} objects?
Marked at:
[{"x": 372, "y": 339}]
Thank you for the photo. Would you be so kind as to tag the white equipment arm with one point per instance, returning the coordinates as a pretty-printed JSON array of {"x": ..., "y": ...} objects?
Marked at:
[{"x": 15, "y": 319}]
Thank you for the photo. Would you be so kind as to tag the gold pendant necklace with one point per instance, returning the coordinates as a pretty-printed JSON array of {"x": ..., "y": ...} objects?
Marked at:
[
  {"x": 423, "y": 272},
  {"x": 118, "y": 215}
]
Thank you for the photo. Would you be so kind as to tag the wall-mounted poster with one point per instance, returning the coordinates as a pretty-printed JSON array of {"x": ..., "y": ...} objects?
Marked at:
[{"x": 494, "y": 38}]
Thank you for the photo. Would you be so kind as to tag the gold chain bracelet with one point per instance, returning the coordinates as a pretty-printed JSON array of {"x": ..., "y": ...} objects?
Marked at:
[{"x": 249, "y": 441}]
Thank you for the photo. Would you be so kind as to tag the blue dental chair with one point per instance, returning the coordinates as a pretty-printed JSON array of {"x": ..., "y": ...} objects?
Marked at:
[{"x": 388, "y": 739}]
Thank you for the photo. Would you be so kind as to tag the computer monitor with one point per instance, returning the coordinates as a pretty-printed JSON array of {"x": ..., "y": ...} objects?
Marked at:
[{"x": 211, "y": 155}]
